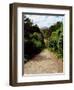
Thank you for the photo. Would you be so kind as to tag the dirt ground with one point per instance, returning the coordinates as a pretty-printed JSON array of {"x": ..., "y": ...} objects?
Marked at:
[{"x": 43, "y": 63}]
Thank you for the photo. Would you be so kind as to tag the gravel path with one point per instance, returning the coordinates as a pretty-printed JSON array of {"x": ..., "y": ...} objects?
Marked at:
[{"x": 45, "y": 62}]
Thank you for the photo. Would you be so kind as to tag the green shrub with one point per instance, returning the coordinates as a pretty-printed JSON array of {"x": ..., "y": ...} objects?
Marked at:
[
  {"x": 60, "y": 45},
  {"x": 37, "y": 40},
  {"x": 33, "y": 45},
  {"x": 55, "y": 42}
]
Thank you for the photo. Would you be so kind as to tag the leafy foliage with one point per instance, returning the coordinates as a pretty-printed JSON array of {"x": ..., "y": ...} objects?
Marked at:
[
  {"x": 56, "y": 39},
  {"x": 33, "y": 39}
]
